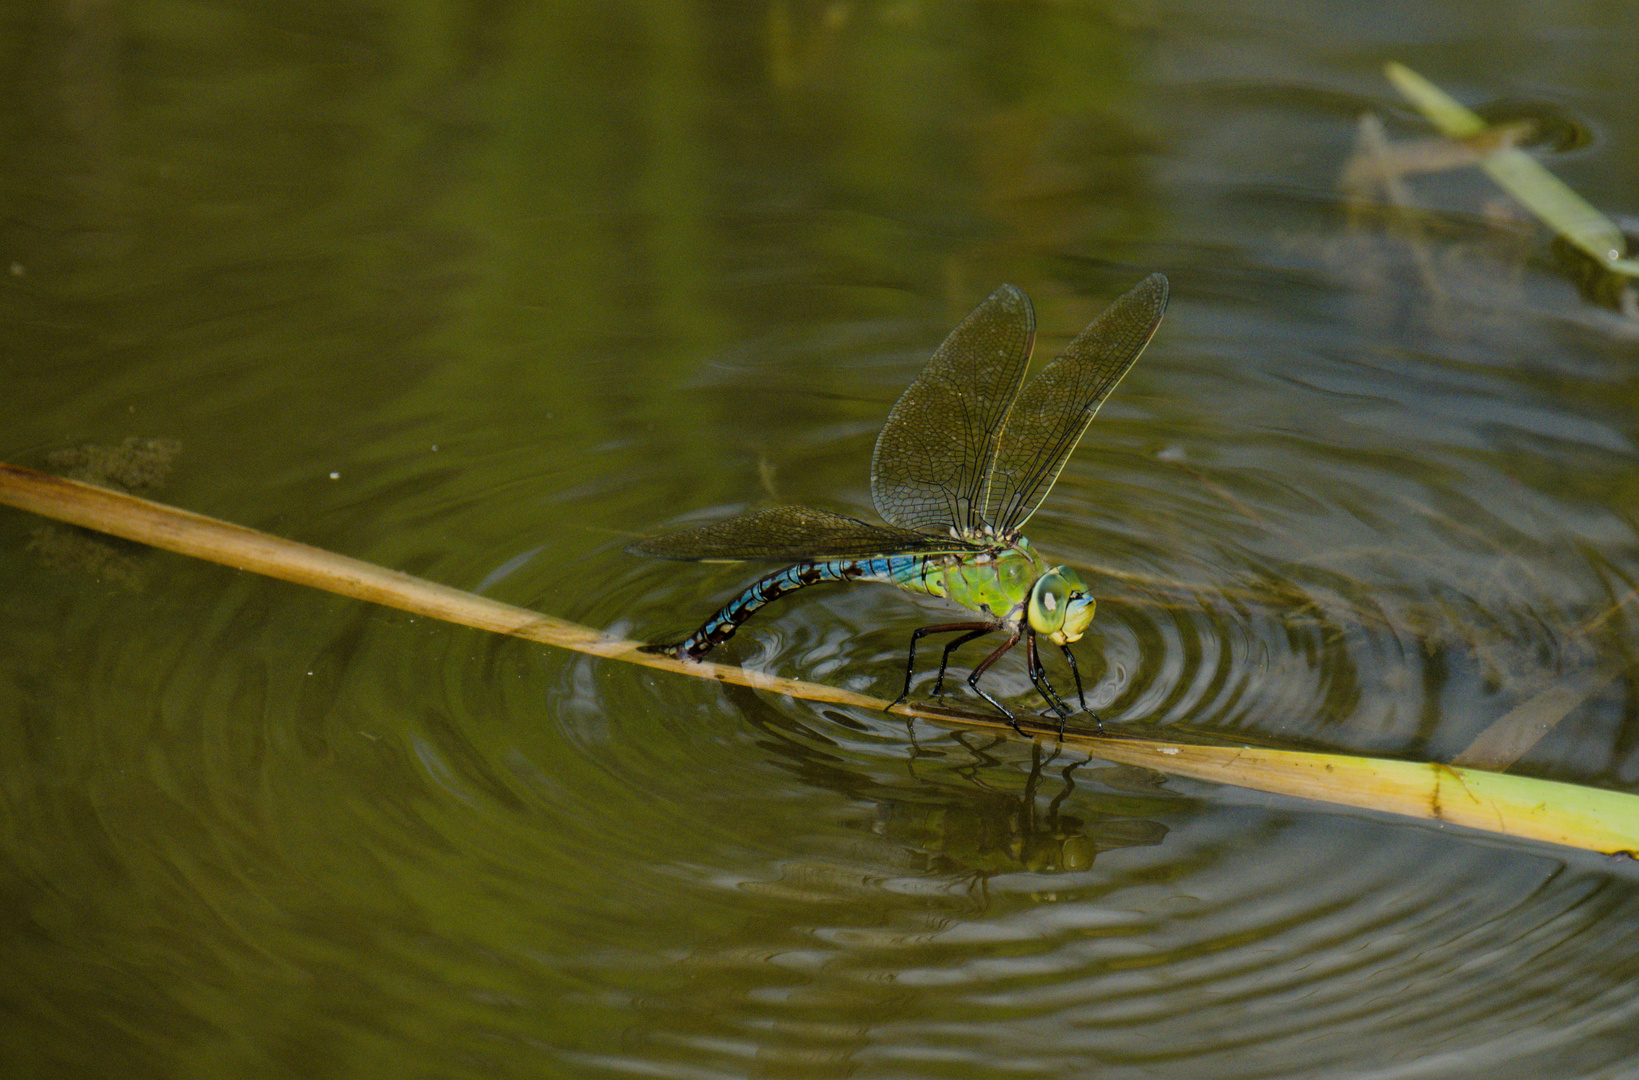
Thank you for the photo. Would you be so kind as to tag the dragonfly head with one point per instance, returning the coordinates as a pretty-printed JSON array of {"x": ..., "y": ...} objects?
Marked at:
[{"x": 1060, "y": 605}]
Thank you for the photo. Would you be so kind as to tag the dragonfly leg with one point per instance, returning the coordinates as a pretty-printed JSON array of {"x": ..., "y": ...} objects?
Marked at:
[
  {"x": 944, "y": 659},
  {"x": 1038, "y": 675},
  {"x": 984, "y": 665},
  {"x": 1080, "y": 693},
  {"x": 974, "y": 629}
]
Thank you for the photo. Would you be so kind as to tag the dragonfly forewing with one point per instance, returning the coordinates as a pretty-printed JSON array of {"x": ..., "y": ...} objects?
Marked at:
[
  {"x": 1056, "y": 406},
  {"x": 932, "y": 464},
  {"x": 791, "y": 534}
]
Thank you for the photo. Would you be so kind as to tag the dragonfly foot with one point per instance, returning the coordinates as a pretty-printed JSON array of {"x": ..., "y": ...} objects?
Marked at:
[
  {"x": 1059, "y": 714},
  {"x": 674, "y": 651}
]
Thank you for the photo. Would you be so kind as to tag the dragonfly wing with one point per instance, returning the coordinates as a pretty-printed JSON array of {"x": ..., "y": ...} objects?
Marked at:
[
  {"x": 1058, "y": 404},
  {"x": 790, "y": 534},
  {"x": 932, "y": 464}
]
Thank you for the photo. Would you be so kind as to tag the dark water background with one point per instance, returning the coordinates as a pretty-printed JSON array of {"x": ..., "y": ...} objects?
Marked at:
[{"x": 481, "y": 291}]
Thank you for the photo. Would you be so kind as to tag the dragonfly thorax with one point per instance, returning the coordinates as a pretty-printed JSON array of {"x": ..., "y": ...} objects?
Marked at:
[
  {"x": 1060, "y": 605},
  {"x": 985, "y": 534}
]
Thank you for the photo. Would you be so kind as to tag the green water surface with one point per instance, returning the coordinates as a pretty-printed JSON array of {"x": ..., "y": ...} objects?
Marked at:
[{"x": 482, "y": 291}]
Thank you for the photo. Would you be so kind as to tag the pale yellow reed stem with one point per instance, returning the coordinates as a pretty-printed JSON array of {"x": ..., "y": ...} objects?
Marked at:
[{"x": 1567, "y": 814}]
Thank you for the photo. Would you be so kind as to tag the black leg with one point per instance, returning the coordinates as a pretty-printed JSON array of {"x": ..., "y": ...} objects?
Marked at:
[
  {"x": 944, "y": 659},
  {"x": 1080, "y": 693},
  {"x": 1038, "y": 675},
  {"x": 973, "y": 679},
  {"x": 974, "y": 629}
]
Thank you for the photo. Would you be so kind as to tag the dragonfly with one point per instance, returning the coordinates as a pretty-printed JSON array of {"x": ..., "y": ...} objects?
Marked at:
[{"x": 964, "y": 459}]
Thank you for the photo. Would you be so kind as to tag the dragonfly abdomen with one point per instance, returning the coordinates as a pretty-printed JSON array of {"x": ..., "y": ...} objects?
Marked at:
[{"x": 765, "y": 590}]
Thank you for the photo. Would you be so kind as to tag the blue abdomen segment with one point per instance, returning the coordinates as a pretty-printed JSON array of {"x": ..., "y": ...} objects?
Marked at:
[{"x": 897, "y": 570}]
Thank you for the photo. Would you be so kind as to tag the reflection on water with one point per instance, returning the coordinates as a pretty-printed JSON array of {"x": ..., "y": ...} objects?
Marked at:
[
  {"x": 976, "y": 829},
  {"x": 477, "y": 293}
]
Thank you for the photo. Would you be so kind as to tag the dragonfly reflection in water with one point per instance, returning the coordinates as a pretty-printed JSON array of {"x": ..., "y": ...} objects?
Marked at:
[{"x": 963, "y": 461}]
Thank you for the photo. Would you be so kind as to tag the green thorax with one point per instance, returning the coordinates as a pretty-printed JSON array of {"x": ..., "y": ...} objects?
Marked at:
[{"x": 996, "y": 582}]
